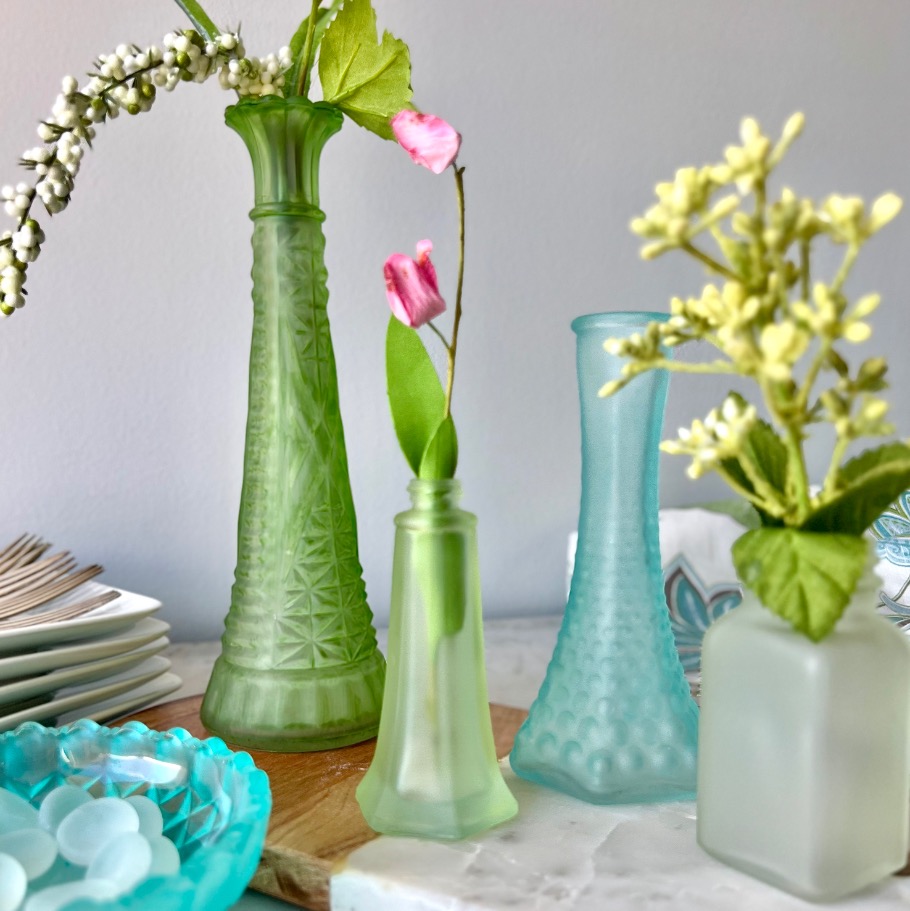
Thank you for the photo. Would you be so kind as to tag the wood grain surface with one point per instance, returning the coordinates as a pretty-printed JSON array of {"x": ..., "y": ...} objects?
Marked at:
[{"x": 316, "y": 822}]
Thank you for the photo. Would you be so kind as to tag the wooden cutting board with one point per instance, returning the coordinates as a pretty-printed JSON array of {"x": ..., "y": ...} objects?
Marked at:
[{"x": 316, "y": 822}]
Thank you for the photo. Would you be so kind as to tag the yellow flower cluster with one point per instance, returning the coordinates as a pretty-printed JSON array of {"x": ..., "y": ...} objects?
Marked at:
[
  {"x": 715, "y": 439},
  {"x": 767, "y": 315}
]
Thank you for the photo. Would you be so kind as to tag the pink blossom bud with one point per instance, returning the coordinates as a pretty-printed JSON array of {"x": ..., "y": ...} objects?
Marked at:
[
  {"x": 411, "y": 287},
  {"x": 429, "y": 140}
]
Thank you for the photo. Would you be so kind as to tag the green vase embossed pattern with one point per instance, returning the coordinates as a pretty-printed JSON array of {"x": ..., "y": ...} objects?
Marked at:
[{"x": 299, "y": 668}]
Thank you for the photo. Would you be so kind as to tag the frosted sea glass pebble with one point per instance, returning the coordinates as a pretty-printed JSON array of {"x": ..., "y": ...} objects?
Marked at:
[
  {"x": 58, "y": 804},
  {"x": 13, "y": 883},
  {"x": 151, "y": 822},
  {"x": 165, "y": 857},
  {"x": 88, "y": 828},
  {"x": 16, "y": 813},
  {"x": 34, "y": 848},
  {"x": 124, "y": 861},
  {"x": 56, "y": 897}
]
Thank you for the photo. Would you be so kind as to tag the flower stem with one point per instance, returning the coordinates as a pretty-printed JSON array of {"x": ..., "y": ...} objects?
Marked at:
[
  {"x": 303, "y": 85},
  {"x": 690, "y": 367},
  {"x": 453, "y": 348},
  {"x": 200, "y": 19},
  {"x": 442, "y": 338},
  {"x": 709, "y": 261},
  {"x": 845, "y": 267},
  {"x": 744, "y": 492},
  {"x": 804, "y": 266}
]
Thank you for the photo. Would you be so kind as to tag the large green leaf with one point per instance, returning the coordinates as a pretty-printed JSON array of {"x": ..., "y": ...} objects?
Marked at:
[
  {"x": 416, "y": 397},
  {"x": 440, "y": 459},
  {"x": 369, "y": 80},
  {"x": 871, "y": 481},
  {"x": 805, "y": 577},
  {"x": 323, "y": 17}
]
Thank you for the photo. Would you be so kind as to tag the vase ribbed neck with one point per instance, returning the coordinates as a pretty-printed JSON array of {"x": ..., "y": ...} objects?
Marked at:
[
  {"x": 435, "y": 495},
  {"x": 285, "y": 138}
]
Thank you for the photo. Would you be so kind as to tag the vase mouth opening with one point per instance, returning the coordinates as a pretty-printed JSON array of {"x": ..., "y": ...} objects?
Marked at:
[
  {"x": 251, "y": 109},
  {"x": 617, "y": 319}
]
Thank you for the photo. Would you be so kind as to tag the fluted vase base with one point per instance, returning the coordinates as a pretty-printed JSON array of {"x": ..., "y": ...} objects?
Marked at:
[{"x": 295, "y": 711}]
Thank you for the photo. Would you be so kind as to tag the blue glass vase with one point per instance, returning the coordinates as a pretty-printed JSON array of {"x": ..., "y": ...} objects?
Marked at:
[{"x": 614, "y": 721}]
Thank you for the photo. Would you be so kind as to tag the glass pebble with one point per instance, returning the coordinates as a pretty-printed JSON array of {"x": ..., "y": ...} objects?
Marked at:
[
  {"x": 124, "y": 861},
  {"x": 88, "y": 828},
  {"x": 16, "y": 813},
  {"x": 165, "y": 857},
  {"x": 58, "y": 804},
  {"x": 151, "y": 822},
  {"x": 13, "y": 883},
  {"x": 35, "y": 849},
  {"x": 56, "y": 897}
]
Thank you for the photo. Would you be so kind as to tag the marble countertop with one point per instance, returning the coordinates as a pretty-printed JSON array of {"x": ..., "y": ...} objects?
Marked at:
[
  {"x": 517, "y": 653},
  {"x": 558, "y": 854}
]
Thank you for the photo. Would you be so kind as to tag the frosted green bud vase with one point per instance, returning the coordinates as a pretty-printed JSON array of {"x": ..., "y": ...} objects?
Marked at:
[
  {"x": 434, "y": 773},
  {"x": 804, "y": 748},
  {"x": 614, "y": 721},
  {"x": 299, "y": 667}
]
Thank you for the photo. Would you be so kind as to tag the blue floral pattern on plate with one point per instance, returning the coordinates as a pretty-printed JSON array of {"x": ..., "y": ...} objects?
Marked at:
[
  {"x": 694, "y": 606},
  {"x": 891, "y": 531}
]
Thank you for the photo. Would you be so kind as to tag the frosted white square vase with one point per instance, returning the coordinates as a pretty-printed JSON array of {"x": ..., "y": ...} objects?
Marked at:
[{"x": 804, "y": 748}]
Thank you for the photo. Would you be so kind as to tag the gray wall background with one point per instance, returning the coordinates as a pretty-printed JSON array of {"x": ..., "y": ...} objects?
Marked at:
[{"x": 123, "y": 383}]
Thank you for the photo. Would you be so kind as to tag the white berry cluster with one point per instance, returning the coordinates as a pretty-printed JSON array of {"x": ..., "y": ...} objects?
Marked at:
[{"x": 125, "y": 80}]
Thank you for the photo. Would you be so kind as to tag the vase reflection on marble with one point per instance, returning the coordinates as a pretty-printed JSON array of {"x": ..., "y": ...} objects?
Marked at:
[{"x": 614, "y": 721}]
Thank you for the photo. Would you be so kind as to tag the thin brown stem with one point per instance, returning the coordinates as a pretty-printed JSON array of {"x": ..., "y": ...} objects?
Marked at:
[{"x": 453, "y": 348}]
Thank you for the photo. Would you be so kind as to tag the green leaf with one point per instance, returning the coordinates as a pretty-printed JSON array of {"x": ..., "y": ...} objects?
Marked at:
[
  {"x": 740, "y": 510},
  {"x": 871, "y": 482},
  {"x": 323, "y": 17},
  {"x": 370, "y": 81},
  {"x": 200, "y": 19},
  {"x": 805, "y": 577},
  {"x": 440, "y": 459},
  {"x": 416, "y": 397}
]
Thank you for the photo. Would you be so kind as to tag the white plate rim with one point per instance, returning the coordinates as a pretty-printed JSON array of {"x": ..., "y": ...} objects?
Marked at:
[
  {"x": 60, "y": 705},
  {"x": 152, "y": 691},
  {"x": 19, "y": 690},
  {"x": 144, "y": 631},
  {"x": 123, "y": 611}
]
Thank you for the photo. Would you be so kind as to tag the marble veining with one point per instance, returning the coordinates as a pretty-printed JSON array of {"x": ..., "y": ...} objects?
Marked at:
[{"x": 560, "y": 854}]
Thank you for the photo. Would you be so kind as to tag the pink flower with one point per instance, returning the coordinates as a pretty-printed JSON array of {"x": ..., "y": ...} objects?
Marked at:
[
  {"x": 429, "y": 140},
  {"x": 411, "y": 287}
]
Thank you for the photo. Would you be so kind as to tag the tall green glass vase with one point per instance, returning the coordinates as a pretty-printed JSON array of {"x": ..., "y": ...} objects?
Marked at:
[{"x": 299, "y": 668}]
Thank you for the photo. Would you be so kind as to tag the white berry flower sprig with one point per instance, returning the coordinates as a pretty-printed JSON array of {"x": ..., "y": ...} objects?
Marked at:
[
  {"x": 125, "y": 80},
  {"x": 770, "y": 318}
]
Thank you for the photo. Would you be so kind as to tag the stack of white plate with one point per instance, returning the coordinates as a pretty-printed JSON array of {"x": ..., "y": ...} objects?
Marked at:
[{"x": 99, "y": 665}]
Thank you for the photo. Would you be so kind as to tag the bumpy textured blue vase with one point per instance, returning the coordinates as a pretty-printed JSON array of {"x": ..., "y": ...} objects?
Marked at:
[{"x": 614, "y": 721}]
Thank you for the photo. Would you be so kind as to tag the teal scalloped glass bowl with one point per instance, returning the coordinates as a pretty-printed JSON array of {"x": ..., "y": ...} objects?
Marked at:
[{"x": 215, "y": 802}]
